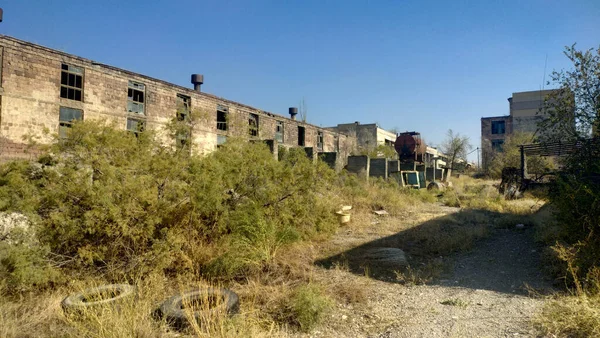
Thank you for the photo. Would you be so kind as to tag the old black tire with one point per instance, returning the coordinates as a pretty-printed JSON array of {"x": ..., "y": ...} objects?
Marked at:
[
  {"x": 172, "y": 309},
  {"x": 110, "y": 294}
]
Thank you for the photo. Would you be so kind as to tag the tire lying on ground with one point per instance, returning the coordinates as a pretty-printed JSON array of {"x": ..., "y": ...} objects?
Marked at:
[
  {"x": 104, "y": 295},
  {"x": 198, "y": 304}
]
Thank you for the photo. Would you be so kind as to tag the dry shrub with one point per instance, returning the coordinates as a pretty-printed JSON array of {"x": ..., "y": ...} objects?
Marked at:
[{"x": 575, "y": 316}]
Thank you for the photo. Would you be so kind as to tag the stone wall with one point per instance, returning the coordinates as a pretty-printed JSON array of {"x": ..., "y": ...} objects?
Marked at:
[{"x": 30, "y": 102}]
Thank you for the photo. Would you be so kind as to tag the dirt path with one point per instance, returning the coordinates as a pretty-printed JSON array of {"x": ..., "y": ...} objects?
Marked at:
[{"x": 484, "y": 294}]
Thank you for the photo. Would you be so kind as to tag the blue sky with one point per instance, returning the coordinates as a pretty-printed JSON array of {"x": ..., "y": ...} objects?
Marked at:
[{"x": 412, "y": 65}]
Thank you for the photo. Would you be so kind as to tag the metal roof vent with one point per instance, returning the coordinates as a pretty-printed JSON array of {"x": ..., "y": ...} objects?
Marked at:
[
  {"x": 197, "y": 81},
  {"x": 293, "y": 112}
]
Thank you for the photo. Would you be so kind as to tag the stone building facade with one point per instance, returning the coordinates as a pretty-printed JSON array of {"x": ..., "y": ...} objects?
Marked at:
[{"x": 45, "y": 89}]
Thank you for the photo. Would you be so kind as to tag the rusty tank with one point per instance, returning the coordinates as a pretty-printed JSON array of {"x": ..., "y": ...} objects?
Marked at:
[{"x": 410, "y": 147}]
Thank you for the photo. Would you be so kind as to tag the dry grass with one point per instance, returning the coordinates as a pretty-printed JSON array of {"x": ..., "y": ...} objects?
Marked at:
[
  {"x": 273, "y": 299},
  {"x": 574, "y": 316}
]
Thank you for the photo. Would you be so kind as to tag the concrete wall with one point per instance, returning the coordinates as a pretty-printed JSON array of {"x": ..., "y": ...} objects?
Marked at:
[
  {"x": 331, "y": 159},
  {"x": 523, "y": 104},
  {"x": 368, "y": 136},
  {"x": 379, "y": 168},
  {"x": 356, "y": 164},
  {"x": 30, "y": 101},
  {"x": 393, "y": 166}
]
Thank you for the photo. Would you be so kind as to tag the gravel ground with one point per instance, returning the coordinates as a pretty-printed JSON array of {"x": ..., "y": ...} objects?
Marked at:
[{"x": 487, "y": 292}]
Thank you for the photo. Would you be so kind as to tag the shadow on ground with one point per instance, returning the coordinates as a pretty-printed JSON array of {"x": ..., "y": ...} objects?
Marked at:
[{"x": 463, "y": 249}]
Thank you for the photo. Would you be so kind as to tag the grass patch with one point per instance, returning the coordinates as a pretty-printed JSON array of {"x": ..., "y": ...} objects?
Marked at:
[
  {"x": 573, "y": 316},
  {"x": 308, "y": 306},
  {"x": 455, "y": 302}
]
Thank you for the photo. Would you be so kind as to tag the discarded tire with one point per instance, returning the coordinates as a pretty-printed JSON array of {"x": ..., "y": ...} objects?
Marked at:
[
  {"x": 436, "y": 186},
  {"x": 105, "y": 295},
  {"x": 195, "y": 304}
]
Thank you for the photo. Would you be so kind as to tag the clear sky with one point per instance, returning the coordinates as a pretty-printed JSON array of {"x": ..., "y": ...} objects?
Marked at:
[{"x": 415, "y": 65}]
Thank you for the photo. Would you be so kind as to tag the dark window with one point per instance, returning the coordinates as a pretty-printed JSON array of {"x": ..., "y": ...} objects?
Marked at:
[
  {"x": 136, "y": 93},
  {"x": 66, "y": 117},
  {"x": 320, "y": 141},
  {"x": 253, "y": 125},
  {"x": 222, "y": 112},
  {"x": 136, "y": 126},
  {"x": 182, "y": 139},
  {"x": 184, "y": 104},
  {"x": 497, "y": 145},
  {"x": 301, "y": 135},
  {"x": 279, "y": 131},
  {"x": 71, "y": 83},
  {"x": 498, "y": 127}
]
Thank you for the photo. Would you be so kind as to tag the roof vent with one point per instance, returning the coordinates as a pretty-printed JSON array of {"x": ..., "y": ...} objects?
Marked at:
[
  {"x": 293, "y": 112},
  {"x": 197, "y": 81}
]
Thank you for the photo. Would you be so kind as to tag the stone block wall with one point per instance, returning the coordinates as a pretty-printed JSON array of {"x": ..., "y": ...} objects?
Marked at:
[{"x": 30, "y": 82}]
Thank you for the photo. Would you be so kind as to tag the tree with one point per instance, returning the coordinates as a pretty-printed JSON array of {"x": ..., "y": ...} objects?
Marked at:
[
  {"x": 574, "y": 109},
  {"x": 510, "y": 156},
  {"x": 455, "y": 146}
]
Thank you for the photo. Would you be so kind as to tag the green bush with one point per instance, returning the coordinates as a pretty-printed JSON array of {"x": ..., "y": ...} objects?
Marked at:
[
  {"x": 24, "y": 264},
  {"x": 308, "y": 306},
  {"x": 111, "y": 201}
]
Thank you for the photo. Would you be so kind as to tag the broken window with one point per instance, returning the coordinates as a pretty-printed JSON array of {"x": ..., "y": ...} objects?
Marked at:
[
  {"x": 279, "y": 131},
  {"x": 184, "y": 105},
  {"x": 320, "y": 141},
  {"x": 136, "y": 126},
  {"x": 71, "y": 82},
  {"x": 253, "y": 125},
  {"x": 301, "y": 135},
  {"x": 66, "y": 117},
  {"x": 136, "y": 93},
  {"x": 497, "y": 145},
  {"x": 222, "y": 112},
  {"x": 498, "y": 127}
]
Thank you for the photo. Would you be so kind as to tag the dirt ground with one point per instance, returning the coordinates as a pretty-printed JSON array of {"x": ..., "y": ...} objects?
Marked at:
[{"x": 490, "y": 291}]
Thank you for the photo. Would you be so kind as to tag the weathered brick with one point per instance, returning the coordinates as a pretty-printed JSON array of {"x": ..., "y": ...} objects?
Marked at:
[{"x": 31, "y": 101}]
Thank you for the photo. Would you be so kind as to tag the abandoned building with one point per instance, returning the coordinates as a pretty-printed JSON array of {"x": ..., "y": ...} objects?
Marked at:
[
  {"x": 525, "y": 112},
  {"x": 368, "y": 136},
  {"x": 43, "y": 88}
]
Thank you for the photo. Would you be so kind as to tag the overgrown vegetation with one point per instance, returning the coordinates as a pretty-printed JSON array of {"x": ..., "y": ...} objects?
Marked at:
[
  {"x": 107, "y": 205},
  {"x": 510, "y": 156},
  {"x": 575, "y": 198}
]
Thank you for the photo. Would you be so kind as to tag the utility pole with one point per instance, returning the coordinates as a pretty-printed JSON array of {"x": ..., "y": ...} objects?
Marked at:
[{"x": 478, "y": 167}]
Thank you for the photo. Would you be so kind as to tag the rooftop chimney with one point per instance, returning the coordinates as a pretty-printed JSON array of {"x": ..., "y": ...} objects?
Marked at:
[
  {"x": 293, "y": 112},
  {"x": 197, "y": 81}
]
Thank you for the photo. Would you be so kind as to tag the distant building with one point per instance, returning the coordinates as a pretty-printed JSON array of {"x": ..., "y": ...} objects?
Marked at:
[
  {"x": 525, "y": 113},
  {"x": 368, "y": 136}
]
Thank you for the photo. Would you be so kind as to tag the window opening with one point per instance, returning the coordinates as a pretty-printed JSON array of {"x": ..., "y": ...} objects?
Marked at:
[
  {"x": 279, "y": 131},
  {"x": 136, "y": 93},
  {"x": 71, "y": 82},
  {"x": 222, "y": 113},
  {"x": 253, "y": 125},
  {"x": 301, "y": 135},
  {"x": 66, "y": 117}
]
